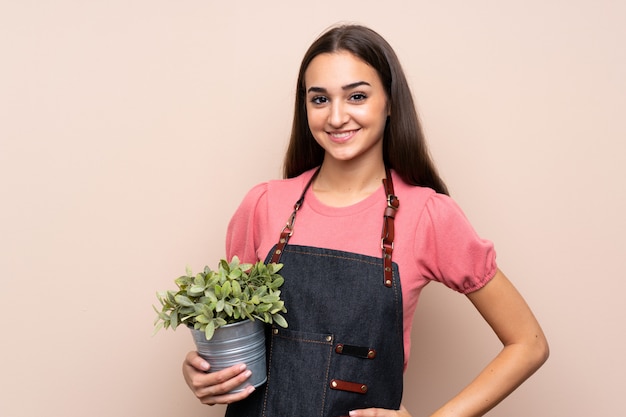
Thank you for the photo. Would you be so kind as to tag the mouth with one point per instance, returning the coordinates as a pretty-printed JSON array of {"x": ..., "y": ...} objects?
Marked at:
[{"x": 343, "y": 136}]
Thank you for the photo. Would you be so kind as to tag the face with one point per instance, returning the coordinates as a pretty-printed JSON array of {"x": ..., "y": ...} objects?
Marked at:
[{"x": 346, "y": 107}]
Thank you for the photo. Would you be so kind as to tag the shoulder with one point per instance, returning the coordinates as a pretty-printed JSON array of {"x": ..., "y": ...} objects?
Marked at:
[
  {"x": 425, "y": 201},
  {"x": 418, "y": 201},
  {"x": 276, "y": 190},
  {"x": 290, "y": 185}
]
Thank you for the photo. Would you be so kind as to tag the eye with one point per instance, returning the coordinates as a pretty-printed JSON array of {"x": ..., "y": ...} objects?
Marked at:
[
  {"x": 319, "y": 100},
  {"x": 358, "y": 97}
]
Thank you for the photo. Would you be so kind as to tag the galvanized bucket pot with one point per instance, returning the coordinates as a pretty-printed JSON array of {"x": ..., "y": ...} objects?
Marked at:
[{"x": 242, "y": 342}]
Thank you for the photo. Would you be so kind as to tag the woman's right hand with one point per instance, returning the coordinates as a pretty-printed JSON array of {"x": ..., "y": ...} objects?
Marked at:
[{"x": 212, "y": 388}]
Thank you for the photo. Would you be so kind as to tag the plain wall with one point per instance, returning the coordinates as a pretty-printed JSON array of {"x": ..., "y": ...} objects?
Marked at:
[{"x": 130, "y": 131}]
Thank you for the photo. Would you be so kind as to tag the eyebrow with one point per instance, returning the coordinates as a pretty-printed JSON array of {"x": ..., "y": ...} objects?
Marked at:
[{"x": 345, "y": 87}]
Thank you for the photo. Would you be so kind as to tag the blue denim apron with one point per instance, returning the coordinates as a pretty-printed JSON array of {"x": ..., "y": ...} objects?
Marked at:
[{"x": 344, "y": 347}]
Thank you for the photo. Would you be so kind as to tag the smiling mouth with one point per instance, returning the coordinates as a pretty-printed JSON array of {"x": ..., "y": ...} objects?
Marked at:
[{"x": 342, "y": 135}]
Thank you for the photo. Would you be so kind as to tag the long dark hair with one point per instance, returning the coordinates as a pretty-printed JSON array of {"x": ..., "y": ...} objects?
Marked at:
[{"x": 404, "y": 145}]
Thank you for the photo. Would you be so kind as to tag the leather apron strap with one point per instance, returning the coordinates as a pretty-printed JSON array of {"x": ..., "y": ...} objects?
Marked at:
[{"x": 387, "y": 235}]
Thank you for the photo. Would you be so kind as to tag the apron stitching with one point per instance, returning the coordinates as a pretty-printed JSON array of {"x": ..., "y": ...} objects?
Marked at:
[
  {"x": 334, "y": 256},
  {"x": 269, "y": 374},
  {"x": 303, "y": 340},
  {"x": 326, "y": 379},
  {"x": 399, "y": 312}
]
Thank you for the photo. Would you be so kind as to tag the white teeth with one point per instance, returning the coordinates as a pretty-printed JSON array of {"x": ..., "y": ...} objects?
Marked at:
[{"x": 341, "y": 135}]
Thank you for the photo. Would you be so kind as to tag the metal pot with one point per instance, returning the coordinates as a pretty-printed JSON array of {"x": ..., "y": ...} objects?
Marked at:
[{"x": 241, "y": 342}]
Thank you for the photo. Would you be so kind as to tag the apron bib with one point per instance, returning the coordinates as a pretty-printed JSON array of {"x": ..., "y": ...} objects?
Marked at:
[{"x": 344, "y": 346}]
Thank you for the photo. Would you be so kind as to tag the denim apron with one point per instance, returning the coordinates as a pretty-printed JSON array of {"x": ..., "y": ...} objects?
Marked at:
[{"x": 344, "y": 347}]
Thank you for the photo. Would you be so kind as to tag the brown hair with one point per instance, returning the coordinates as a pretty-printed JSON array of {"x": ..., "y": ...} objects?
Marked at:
[{"x": 404, "y": 145}]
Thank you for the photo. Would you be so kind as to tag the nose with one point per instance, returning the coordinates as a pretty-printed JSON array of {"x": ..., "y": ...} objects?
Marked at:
[{"x": 338, "y": 115}]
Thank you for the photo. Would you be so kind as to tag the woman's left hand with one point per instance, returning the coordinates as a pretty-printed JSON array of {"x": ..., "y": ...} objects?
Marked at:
[{"x": 379, "y": 412}]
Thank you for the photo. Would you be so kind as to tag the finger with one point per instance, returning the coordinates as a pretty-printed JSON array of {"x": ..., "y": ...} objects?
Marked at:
[
  {"x": 216, "y": 384},
  {"x": 228, "y": 398},
  {"x": 196, "y": 361},
  {"x": 370, "y": 412},
  {"x": 379, "y": 412}
]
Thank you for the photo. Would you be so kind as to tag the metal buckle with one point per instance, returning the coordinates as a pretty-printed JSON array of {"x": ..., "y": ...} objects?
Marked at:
[{"x": 390, "y": 199}]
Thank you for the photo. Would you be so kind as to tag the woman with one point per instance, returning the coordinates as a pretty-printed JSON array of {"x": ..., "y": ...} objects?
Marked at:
[{"x": 356, "y": 152}]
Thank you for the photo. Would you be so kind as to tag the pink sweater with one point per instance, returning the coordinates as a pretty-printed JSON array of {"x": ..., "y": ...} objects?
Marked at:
[{"x": 433, "y": 239}]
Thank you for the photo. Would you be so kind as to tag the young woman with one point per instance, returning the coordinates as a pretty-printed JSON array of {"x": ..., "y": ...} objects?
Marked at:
[{"x": 362, "y": 223}]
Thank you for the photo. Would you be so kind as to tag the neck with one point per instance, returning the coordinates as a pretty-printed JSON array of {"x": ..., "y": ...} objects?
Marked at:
[{"x": 344, "y": 184}]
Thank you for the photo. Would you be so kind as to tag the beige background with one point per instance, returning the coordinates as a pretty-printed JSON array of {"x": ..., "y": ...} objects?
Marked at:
[{"x": 130, "y": 130}]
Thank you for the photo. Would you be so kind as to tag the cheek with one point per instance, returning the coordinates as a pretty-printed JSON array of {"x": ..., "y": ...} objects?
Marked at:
[
  {"x": 316, "y": 118},
  {"x": 370, "y": 116}
]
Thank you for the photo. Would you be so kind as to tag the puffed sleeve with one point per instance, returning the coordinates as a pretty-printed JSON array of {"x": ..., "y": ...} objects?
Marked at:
[
  {"x": 243, "y": 232},
  {"x": 449, "y": 249}
]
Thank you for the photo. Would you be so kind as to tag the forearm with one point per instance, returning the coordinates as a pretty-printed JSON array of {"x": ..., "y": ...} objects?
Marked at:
[{"x": 513, "y": 365}]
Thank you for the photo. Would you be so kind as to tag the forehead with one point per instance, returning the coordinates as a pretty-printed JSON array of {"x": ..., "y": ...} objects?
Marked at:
[{"x": 339, "y": 69}]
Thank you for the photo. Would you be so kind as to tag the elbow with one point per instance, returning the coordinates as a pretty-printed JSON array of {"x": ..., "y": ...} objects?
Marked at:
[{"x": 540, "y": 351}]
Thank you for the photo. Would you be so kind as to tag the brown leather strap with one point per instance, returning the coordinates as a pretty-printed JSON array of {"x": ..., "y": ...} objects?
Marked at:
[
  {"x": 355, "y": 387},
  {"x": 388, "y": 229},
  {"x": 287, "y": 231},
  {"x": 387, "y": 235}
]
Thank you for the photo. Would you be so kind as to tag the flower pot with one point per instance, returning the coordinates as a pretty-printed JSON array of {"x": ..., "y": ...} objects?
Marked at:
[{"x": 241, "y": 342}]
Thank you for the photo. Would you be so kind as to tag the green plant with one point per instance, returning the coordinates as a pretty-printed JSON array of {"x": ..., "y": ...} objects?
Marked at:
[{"x": 235, "y": 292}]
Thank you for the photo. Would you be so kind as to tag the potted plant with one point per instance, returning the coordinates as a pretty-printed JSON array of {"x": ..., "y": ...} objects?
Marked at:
[{"x": 225, "y": 310}]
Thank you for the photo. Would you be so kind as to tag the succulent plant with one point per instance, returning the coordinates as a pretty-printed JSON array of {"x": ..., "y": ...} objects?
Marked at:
[{"x": 235, "y": 292}]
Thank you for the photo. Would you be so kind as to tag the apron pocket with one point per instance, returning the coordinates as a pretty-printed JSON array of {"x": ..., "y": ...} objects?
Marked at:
[{"x": 297, "y": 359}]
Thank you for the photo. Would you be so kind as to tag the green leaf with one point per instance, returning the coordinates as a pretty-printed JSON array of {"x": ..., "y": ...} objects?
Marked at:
[
  {"x": 224, "y": 265},
  {"x": 270, "y": 298},
  {"x": 274, "y": 268},
  {"x": 218, "y": 291},
  {"x": 209, "y": 330},
  {"x": 210, "y": 294},
  {"x": 188, "y": 271},
  {"x": 261, "y": 291},
  {"x": 235, "y": 273},
  {"x": 220, "y": 305},
  {"x": 215, "y": 278},
  {"x": 236, "y": 289},
  {"x": 199, "y": 280},
  {"x": 278, "y": 281},
  {"x": 183, "y": 301},
  {"x": 263, "y": 308},
  {"x": 279, "y": 320},
  {"x": 174, "y": 320},
  {"x": 202, "y": 319},
  {"x": 171, "y": 298},
  {"x": 277, "y": 307},
  {"x": 228, "y": 309},
  {"x": 226, "y": 289},
  {"x": 195, "y": 290}
]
